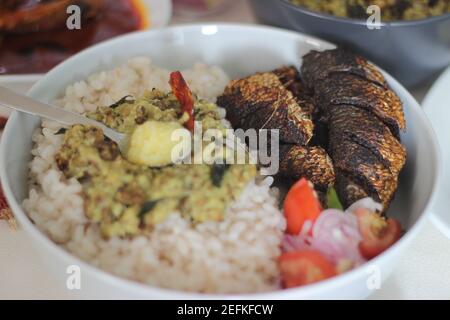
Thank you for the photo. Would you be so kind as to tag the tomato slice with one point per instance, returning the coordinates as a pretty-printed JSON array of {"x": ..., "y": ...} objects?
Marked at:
[
  {"x": 3, "y": 122},
  {"x": 378, "y": 233},
  {"x": 301, "y": 204},
  {"x": 299, "y": 268}
]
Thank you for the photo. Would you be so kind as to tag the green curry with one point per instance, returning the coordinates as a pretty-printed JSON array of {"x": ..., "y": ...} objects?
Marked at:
[
  {"x": 391, "y": 10},
  {"x": 127, "y": 199}
]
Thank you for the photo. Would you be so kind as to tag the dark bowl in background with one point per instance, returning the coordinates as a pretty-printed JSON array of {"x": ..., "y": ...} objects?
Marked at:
[{"x": 412, "y": 51}]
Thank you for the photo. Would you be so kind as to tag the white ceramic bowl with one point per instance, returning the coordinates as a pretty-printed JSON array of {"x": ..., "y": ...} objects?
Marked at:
[{"x": 240, "y": 50}]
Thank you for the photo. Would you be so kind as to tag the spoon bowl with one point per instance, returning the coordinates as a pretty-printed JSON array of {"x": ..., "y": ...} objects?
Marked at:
[{"x": 12, "y": 100}]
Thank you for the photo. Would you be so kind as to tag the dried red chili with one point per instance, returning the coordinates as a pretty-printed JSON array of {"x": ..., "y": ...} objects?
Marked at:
[{"x": 184, "y": 96}]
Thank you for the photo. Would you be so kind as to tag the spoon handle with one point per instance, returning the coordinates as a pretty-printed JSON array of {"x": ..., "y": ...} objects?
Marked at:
[{"x": 12, "y": 100}]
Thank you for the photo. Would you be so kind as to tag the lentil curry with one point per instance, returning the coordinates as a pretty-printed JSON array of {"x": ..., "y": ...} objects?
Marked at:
[
  {"x": 127, "y": 198},
  {"x": 391, "y": 10}
]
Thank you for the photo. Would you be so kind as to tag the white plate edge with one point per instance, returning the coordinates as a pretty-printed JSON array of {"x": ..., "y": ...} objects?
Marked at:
[{"x": 438, "y": 86}]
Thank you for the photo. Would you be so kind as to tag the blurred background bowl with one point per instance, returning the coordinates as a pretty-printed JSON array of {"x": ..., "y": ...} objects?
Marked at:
[{"x": 412, "y": 51}]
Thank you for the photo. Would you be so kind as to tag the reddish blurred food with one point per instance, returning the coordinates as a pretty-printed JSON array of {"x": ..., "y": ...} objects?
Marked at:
[
  {"x": 10, "y": 4},
  {"x": 22, "y": 16},
  {"x": 34, "y": 36},
  {"x": 2, "y": 122},
  {"x": 5, "y": 211},
  {"x": 192, "y": 8}
]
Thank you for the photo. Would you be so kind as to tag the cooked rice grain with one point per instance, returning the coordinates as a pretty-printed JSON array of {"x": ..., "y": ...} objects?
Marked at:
[{"x": 236, "y": 255}]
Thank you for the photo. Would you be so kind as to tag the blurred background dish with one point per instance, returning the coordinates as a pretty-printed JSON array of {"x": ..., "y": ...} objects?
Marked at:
[
  {"x": 200, "y": 8},
  {"x": 29, "y": 16},
  {"x": 390, "y": 10},
  {"x": 413, "y": 51},
  {"x": 30, "y": 46},
  {"x": 34, "y": 35}
]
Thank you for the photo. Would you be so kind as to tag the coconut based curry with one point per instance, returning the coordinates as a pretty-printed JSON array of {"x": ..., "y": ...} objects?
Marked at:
[
  {"x": 391, "y": 10},
  {"x": 127, "y": 197}
]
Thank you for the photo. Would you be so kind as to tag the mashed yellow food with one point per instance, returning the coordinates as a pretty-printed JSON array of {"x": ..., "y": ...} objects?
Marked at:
[
  {"x": 130, "y": 197},
  {"x": 152, "y": 143}
]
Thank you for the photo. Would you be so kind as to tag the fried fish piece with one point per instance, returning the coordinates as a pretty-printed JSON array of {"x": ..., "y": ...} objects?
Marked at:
[
  {"x": 343, "y": 77},
  {"x": 348, "y": 190},
  {"x": 312, "y": 163},
  {"x": 341, "y": 88},
  {"x": 288, "y": 75},
  {"x": 360, "y": 127},
  {"x": 363, "y": 118},
  {"x": 290, "y": 78},
  {"x": 360, "y": 164},
  {"x": 320, "y": 65},
  {"x": 261, "y": 101}
]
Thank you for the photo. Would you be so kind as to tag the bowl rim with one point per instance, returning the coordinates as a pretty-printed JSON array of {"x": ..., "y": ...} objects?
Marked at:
[
  {"x": 432, "y": 94},
  {"x": 330, "y": 17},
  {"x": 148, "y": 290}
]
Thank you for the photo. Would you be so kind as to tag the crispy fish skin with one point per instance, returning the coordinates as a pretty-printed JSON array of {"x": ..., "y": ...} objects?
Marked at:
[
  {"x": 341, "y": 88},
  {"x": 361, "y": 119},
  {"x": 349, "y": 191},
  {"x": 362, "y": 128},
  {"x": 251, "y": 101},
  {"x": 288, "y": 75},
  {"x": 312, "y": 163},
  {"x": 364, "y": 118},
  {"x": 318, "y": 66},
  {"x": 359, "y": 163},
  {"x": 262, "y": 102},
  {"x": 290, "y": 78}
]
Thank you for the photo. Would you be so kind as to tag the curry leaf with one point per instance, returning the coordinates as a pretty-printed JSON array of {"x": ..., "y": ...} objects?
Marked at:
[
  {"x": 146, "y": 207},
  {"x": 61, "y": 131},
  {"x": 333, "y": 201},
  {"x": 125, "y": 99},
  {"x": 217, "y": 173}
]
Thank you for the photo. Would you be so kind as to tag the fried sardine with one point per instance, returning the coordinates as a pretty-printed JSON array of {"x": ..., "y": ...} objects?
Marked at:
[
  {"x": 339, "y": 104},
  {"x": 261, "y": 101},
  {"x": 364, "y": 118},
  {"x": 277, "y": 100}
]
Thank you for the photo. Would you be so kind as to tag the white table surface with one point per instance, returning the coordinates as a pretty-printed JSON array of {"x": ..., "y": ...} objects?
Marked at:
[{"x": 423, "y": 272}]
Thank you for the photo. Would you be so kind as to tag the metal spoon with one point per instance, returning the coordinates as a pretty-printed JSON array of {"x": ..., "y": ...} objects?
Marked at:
[{"x": 12, "y": 100}]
